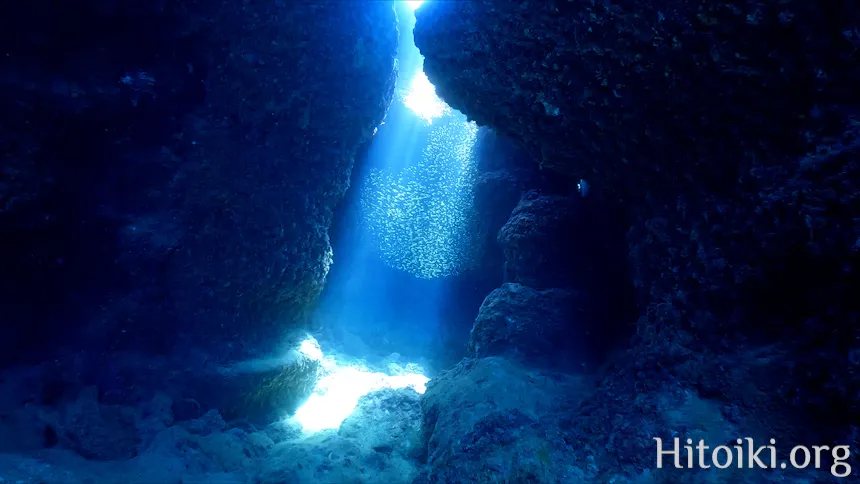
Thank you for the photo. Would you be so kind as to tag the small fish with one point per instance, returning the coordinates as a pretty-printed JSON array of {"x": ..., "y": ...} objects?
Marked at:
[
  {"x": 583, "y": 187},
  {"x": 140, "y": 83}
]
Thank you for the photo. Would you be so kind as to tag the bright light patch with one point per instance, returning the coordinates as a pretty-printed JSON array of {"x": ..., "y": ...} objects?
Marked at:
[
  {"x": 311, "y": 349},
  {"x": 413, "y": 4},
  {"x": 337, "y": 392},
  {"x": 422, "y": 99}
]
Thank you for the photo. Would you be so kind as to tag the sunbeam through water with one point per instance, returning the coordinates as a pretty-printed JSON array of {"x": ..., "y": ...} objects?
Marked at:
[
  {"x": 406, "y": 224},
  {"x": 423, "y": 101}
]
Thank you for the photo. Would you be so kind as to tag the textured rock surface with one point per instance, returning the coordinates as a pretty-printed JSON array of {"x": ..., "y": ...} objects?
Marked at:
[
  {"x": 387, "y": 421},
  {"x": 176, "y": 164},
  {"x": 281, "y": 129},
  {"x": 482, "y": 422},
  {"x": 636, "y": 92},
  {"x": 725, "y": 136},
  {"x": 148, "y": 443},
  {"x": 559, "y": 240},
  {"x": 258, "y": 391},
  {"x": 376, "y": 444},
  {"x": 540, "y": 242},
  {"x": 535, "y": 326},
  {"x": 98, "y": 432}
]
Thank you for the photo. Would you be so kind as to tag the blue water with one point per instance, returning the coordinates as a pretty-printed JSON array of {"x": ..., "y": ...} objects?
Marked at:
[{"x": 402, "y": 233}]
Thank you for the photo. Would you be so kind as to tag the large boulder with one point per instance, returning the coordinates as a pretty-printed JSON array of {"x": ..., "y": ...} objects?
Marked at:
[
  {"x": 274, "y": 153},
  {"x": 504, "y": 171},
  {"x": 482, "y": 422},
  {"x": 388, "y": 422},
  {"x": 258, "y": 391},
  {"x": 170, "y": 169},
  {"x": 563, "y": 241},
  {"x": 545, "y": 243},
  {"x": 636, "y": 94},
  {"x": 552, "y": 327}
]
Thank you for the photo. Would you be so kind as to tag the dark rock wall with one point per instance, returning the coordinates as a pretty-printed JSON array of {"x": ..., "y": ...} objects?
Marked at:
[
  {"x": 545, "y": 242},
  {"x": 536, "y": 327},
  {"x": 175, "y": 164},
  {"x": 504, "y": 172},
  {"x": 632, "y": 93},
  {"x": 80, "y": 149},
  {"x": 724, "y": 136},
  {"x": 533, "y": 228},
  {"x": 563, "y": 242},
  {"x": 283, "y": 127}
]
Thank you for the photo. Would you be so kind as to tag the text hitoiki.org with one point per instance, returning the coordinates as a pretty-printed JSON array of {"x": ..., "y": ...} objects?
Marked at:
[{"x": 746, "y": 455}]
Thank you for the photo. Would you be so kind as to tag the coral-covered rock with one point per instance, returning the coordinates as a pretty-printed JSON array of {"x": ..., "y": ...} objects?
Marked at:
[
  {"x": 153, "y": 417},
  {"x": 209, "y": 422},
  {"x": 504, "y": 171},
  {"x": 635, "y": 94},
  {"x": 544, "y": 328},
  {"x": 79, "y": 156},
  {"x": 725, "y": 135},
  {"x": 274, "y": 151},
  {"x": 175, "y": 165},
  {"x": 260, "y": 391},
  {"x": 540, "y": 242},
  {"x": 481, "y": 422},
  {"x": 386, "y": 421},
  {"x": 565, "y": 241},
  {"x": 26, "y": 428},
  {"x": 496, "y": 194}
]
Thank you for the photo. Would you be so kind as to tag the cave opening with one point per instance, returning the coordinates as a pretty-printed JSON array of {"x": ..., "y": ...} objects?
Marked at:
[
  {"x": 402, "y": 246},
  {"x": 259, "y": 241}
]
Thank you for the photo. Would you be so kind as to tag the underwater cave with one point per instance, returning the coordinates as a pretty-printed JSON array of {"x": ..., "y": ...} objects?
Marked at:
[{"x": 429, "y": 242}]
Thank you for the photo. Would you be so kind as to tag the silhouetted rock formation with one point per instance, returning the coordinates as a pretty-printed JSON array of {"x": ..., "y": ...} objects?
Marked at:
[
  {"x": 726, "y": 136},
  {"x": 486, "y": 418},
  {"x": 542, "y": 245},
  {"x": 175, "y": 164},
  {"x": 518, "y": 321}
]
